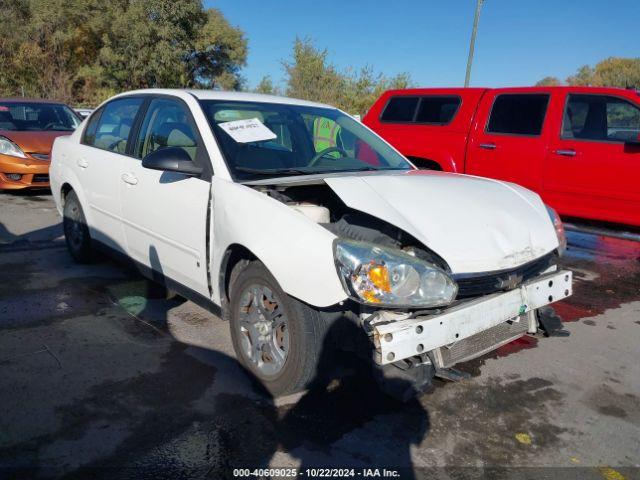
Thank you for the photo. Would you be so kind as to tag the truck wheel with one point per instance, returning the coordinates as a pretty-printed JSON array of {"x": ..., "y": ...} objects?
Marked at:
[
  {"x": 76, "y": 232},
  {"x": 277, "y": 338}
]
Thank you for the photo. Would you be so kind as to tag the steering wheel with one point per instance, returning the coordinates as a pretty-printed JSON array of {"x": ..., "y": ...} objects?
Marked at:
[
  {"x": 50, "y": 125},
  {"x": 322, "y": 153}
]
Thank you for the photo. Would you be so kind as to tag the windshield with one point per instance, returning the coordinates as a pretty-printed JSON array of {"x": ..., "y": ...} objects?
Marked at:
[
  {"x": 263, "y": 139},
  {"x": 26, "y": 116}
]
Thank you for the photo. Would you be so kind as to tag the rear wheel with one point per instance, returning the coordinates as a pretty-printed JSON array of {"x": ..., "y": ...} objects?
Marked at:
[
  {"x": 76, "y": 232},
  {"x": 277, "y": 338}
]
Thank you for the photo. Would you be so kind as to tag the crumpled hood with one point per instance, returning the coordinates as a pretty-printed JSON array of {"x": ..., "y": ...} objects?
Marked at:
[{"x": 475, "y": 224}]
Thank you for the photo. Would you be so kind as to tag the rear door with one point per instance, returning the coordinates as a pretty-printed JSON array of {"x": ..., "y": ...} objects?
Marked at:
[
  {"x": 509, "y": 142},
  {"x": 97, "y": 164},
  {"x": 593, "y": 170},
  {"x": 165, "y": 213}
]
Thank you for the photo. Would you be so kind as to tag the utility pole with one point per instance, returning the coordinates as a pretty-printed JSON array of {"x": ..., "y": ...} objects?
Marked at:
[{"x": 467, "y": 77}]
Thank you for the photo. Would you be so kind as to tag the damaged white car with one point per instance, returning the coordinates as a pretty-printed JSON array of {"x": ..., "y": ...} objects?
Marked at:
[{"x": 309, "y": 233}]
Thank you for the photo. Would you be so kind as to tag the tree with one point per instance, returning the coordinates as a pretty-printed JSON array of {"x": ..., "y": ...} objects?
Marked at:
[
  {"x": 618, "y": 72},
  {"x": 266, "y": 86},
  {"x": 583, "y": 77},
  {"x": 82, "y": 51},
  {"x": 549, "y": 82},
  {"x": 610, "y": 72},
  {"x": 310, "y": 76}
]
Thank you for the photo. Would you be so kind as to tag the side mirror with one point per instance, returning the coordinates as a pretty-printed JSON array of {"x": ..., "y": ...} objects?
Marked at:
[{"x": 171, "y": 159}]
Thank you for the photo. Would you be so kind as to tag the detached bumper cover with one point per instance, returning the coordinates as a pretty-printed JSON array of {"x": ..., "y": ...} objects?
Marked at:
[{"x": 397, "y": 340}]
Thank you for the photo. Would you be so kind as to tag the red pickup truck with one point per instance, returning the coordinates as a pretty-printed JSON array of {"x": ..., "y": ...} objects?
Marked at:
[{"x": 578, "y": 147}]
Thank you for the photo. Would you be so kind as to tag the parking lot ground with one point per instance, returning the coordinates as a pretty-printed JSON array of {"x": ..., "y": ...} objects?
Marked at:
[{"x": 102, "y": 376}]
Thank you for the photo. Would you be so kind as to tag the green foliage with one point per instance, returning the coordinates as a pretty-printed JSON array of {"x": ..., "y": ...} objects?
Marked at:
[
  {"x": 583, "y": 77},
  {"x": 266, "y": 86},
  {"x": 549, "y": 82},
  {"x": 611, "y": 72},
  {"x": 310, "y": 76},
  {"x": 82, "y": 51}
]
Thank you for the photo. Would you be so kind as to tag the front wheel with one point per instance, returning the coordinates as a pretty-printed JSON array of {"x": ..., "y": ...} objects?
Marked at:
[
  {"x": 277, "y": 338},
  {"x": 76, "y": 232}
]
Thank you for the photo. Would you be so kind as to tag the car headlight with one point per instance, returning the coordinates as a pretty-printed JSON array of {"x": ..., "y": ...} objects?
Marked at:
[
  {"x": 559, "y": 228},
  {"x": 389, "y": 277},
  {"x": 7, "y": 147}
]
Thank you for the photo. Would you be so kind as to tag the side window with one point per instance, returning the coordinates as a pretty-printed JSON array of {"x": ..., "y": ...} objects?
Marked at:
[
  {"x": 400, "y": 109},
  {"x": 90, "y": 130},
  {"x": 600, "y": 118},
  {"x": 112, "y": 128},
  {"x": 438, "y": 110},
  {"x": 166, "y": 124},
  {"x": 518, "y": 114}
]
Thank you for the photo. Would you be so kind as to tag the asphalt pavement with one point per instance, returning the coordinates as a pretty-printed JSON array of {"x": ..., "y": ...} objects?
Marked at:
[{"x": 102, "y": 376}]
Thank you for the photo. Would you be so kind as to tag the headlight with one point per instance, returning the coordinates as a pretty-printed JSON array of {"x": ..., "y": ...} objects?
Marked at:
[
  {"x": 389, "y": 277},
  {"x": 559, "y": 228},
  {"x": 7, "y": 147}
]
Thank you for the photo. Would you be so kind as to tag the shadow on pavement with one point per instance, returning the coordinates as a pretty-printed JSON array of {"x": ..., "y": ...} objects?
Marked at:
[{"x": 150, "y": 406}]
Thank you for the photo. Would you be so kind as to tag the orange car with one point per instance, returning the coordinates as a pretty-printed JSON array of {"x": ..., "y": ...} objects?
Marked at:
[{"x": 27, "y": 131}]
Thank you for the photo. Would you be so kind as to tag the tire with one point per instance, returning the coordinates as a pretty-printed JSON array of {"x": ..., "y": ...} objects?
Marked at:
[
  {"x": 305, "y": 331},
  {"x": 76, "y": 232}
]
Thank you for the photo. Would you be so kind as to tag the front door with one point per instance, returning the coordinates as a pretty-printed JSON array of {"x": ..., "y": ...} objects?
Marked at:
[
  {"x": 165, "y": 213},
  {"x": 593, "y": 168}
]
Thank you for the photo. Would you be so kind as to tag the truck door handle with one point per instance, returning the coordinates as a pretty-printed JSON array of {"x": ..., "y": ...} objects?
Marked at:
[
  {"x": 488, "y": 146},
  {"x": 129, "y": 178},
  {"x": 82, "y": 163},
  {"x": 566, "y": 153}
]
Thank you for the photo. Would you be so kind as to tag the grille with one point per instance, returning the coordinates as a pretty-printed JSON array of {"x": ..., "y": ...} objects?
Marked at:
[
  {"x": 484, "y": 284},
  {"x": 40, "y": 178},
  {"x": 40, "y": 156},
  {"x": 483, "y": 342}
]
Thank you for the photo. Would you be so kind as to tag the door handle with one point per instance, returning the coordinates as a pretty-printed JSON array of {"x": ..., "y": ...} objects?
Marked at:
[
  {"x": 566, "y": 153},
  {"x": 129, "y": 178},
  {"x": 82, "y": 163},
  {"x": 488, "y": 146}
]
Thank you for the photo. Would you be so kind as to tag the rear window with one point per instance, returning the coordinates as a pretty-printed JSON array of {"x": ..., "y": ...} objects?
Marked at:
[
  {"x": 400, "y": 109},
  {"x": 518, "y": 114},
  {"x": 437, "y": 109},
  {"x": 37, "y": 116}
]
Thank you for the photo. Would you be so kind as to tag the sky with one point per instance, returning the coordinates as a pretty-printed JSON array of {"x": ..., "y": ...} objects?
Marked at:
[{"x": 519, "y": 42}]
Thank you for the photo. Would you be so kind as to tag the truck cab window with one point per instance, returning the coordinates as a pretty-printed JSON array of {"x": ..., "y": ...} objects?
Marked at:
[
  {"x": 400, "y": 109},
  {"x": 518, "y": 114},
  {"x": 600, "y": 118},
  {"x": 438, "y": 110}
]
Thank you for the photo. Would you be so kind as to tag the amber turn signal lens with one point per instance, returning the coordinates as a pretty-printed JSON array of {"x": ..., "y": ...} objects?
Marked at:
[{"x": 379, "y": 276}]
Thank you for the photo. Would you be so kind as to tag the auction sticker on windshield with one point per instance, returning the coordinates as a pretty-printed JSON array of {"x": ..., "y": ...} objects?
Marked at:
[{"x": 249, "y": 130}]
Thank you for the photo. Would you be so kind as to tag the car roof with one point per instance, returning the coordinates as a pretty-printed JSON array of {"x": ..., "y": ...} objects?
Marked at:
[
  {"x": 535, "y": 88},
  {"x": 226, "y": 95},
  {"x": 29, "y": 100}
]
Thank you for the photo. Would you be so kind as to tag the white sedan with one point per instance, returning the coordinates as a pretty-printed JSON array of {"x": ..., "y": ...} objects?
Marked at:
[{"x": 308, "y": 232}]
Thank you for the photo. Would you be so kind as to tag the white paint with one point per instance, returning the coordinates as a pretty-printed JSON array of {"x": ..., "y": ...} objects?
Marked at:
[
  {"x": 468, "y": 318},
  {"x": 296, "y": 250},
  {"x": 475, "y": 224}
]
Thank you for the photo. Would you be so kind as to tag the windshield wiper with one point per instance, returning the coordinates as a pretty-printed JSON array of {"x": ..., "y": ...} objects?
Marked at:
[
  {"x": 274, "y": 171},
  {"x": 298, "y": 171}
]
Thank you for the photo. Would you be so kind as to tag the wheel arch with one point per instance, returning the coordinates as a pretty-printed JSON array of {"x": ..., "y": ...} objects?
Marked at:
[{"x": 425, "y": 163}]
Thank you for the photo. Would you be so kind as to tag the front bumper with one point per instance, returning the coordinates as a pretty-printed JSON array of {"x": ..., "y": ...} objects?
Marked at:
[
  {"x": 34, "y": 173},
  {"x": 469, "y": 329}
]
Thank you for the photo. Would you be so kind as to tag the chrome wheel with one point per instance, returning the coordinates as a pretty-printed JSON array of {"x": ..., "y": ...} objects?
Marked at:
[{"x": 263, "y": 328}]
